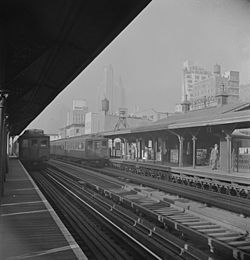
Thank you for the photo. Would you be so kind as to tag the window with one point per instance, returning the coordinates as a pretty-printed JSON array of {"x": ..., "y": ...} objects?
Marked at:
[
  {"x": 33, "y": 142},
  {"x": 82, "y": 146},
  {"x": 44, "y": 143},
  {"x": 97, "y": 145},
  {"x": 104, "y": 143},
  {"x": 89, "y": 144},
  {"x": 25, "y": 143}
]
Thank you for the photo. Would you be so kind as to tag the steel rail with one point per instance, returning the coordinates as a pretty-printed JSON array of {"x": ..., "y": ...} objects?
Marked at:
[{"x": 179, "y": 224}]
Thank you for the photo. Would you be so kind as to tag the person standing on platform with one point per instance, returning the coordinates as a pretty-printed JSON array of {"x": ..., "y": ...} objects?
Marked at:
[{"x": 214, "y": 157}]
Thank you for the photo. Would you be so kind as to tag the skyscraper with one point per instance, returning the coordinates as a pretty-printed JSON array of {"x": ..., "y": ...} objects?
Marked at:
[
  {"x": 191, "y": 75},
  {"x": 109, "y": 86},
  {"x": 205, "y": 92}
]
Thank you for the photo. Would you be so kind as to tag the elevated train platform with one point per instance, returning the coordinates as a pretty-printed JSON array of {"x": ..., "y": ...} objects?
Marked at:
[
  {"x": 29, "y": 227},
  {"x": 235, "y": 183},
  {"x": 198, "y": 171}
]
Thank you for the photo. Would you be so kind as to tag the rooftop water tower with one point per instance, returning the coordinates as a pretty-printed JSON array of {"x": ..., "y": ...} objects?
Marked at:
[
  {"x": 105, "y": 105},
  {"x": 217, "y": 69}
]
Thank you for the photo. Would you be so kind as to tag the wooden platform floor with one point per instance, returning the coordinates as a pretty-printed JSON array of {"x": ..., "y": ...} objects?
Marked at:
[
  {"x": 29, "y": 227},
  {"x": 201, "y": 171}
]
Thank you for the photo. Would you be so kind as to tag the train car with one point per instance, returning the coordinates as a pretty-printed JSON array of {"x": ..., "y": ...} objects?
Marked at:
[
  {"x": 33, "y": 148},
  {"x": 88, "y": 149}
]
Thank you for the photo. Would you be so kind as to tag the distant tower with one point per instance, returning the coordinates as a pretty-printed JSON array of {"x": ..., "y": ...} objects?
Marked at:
[
  {"x": 217, "y": 69},
  {"x": 185, "y": 105},
  {"x": 122, "y": 121},
  {"x": 109, "y": 86},
  {"x": 105, "y": 105},
  {"x": 122, "y": 89},
  {"x": 222, "y": 96}
]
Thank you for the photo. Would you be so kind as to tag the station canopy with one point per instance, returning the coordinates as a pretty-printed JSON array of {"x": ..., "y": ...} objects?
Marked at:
[
  {"x": 236, "y": 116},
  {"x": 45, "y": 44}
]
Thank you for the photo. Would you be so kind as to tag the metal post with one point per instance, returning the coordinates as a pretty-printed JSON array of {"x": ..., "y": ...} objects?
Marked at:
[
  {"x": 162, "y": 148},
  {"x": 4, "y": 147},
  {"x": 229, "y": 152},
  {"x": 154, "y": 148},
  {"x": 143, "y": 148},
  {"x": 137, "y": 149},
  {"x": 3, "y": 97},
  {"x": 7, "y": 145},
  {"x": 181, "y": 140},
  {"x": 194, "y": 150},
  {"x": 125, "y": 149},
  {"x": 112, "y": 148}
]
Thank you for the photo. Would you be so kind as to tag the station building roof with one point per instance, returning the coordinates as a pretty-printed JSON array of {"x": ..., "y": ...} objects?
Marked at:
[
  {"x": 237, "y": 114},
  {"x": 45, "y": 44}
]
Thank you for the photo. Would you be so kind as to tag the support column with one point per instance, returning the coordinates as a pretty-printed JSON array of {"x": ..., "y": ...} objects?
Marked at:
[
  {"x": 162, "y": 149},
  {"x": 7, "y": 146},
  {"x": 181, "y": 141},
  {"x": 154, "y": 148},
  {"x": 166, "y": 149},
  {"x": 125, "y": 148},
  {"x": 194, "y": 150},
  {"x": 4, "y": 147},
  {"x": 143, "y": 148},
  {"x": 3, "y": 97},
  {"x": 229, "y": 152},
  {"x": 112, "y": 148},
  {"x": 137, "y": 149}
]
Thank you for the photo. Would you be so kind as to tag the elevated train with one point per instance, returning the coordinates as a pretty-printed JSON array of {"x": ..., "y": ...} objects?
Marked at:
[
  {"x": 33, "y": 148},
  {"x": 87, "y": 149}
]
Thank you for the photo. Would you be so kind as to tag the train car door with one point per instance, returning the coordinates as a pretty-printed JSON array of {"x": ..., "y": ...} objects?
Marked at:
[
  {"x": 97, "y": 148},
  {"x": 89, "y": 149},
  {"x": 34, "y": 149}
]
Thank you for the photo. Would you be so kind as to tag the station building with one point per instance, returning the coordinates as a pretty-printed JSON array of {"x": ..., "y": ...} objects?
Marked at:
[
  {"x": 192, "y": 74},
  {"x": 204, "y": 92},
  {"x": 75, "y": 124},
  {"x": 186, "y": 139}
]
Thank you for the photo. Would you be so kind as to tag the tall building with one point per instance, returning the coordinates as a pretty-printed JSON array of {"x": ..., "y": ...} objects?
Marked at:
[
  {"x": 191, "y": 75},
  {"x": 76, "y": 118},
  {"x": 205, "y": 92},
  {"x": 245, "y": 92},
  {"x": 109, "y": 86}
]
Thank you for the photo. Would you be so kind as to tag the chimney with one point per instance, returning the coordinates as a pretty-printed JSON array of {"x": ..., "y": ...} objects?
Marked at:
[
  {"x": 217, "y": 69},
  {"x": 222, "y": 97},
  {"x": 185, "y": 105}
]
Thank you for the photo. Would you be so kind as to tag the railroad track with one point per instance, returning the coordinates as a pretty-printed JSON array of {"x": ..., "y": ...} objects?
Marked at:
[
  {"x": 86, "y": 216},
  {"x": 224, "y": 201},
  {"x": 211, "y": 237}
]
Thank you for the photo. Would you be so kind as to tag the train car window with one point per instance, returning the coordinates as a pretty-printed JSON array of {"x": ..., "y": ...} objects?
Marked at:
[
  {"x": 82, "y": 146},
  {"x": 34, "y": 142},
  {"x": 104, "y": 143},
  {"x": 25, "y": 143},
  {"x": 89, "y": 144},
  {"x": 44, "y": 143},
  {"x": 97, "y": 145}
]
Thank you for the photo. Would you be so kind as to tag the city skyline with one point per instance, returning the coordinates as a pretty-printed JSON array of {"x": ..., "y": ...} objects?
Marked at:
[{"x": 149, "y": 53}]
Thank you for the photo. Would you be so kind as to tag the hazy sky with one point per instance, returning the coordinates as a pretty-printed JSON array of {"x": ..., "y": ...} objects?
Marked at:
[{"x": 149, "y": 53}]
